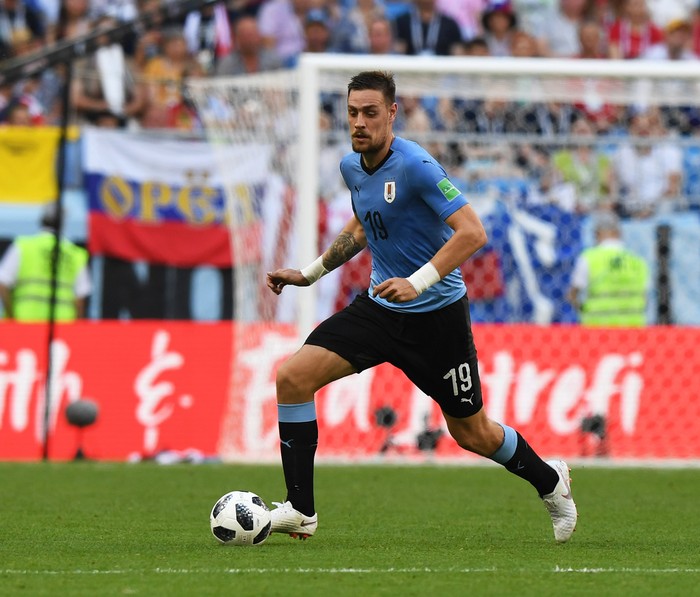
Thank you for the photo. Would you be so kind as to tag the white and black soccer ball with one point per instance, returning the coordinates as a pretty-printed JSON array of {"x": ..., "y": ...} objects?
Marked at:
[{"x": 240, "y": 518}]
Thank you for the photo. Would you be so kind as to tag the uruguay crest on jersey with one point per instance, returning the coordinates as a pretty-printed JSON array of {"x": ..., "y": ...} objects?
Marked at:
[{"x": 389, "y": 190}]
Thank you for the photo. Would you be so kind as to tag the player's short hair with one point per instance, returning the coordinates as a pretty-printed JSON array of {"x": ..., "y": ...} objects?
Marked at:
[{"x": 377, "y": 80}]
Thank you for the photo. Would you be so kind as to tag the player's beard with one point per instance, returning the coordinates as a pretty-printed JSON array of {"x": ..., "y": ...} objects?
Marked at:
[{"x": 368, "y": 145}]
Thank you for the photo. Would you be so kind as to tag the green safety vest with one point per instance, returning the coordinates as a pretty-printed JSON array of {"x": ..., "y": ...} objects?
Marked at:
[
  {"x": 32, "y": 291},
  {"x": 617, "y": 287}
]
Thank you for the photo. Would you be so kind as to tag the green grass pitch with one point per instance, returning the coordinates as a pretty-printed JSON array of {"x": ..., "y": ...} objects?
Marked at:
[{"x": 91, "y": 529}]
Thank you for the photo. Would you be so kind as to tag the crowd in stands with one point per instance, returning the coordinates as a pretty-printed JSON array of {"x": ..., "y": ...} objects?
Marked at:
[{"x": 139, "y": 82}]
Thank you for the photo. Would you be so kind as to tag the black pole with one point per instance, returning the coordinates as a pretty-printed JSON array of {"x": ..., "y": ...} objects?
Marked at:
[
  {"x": 663, "y": 278},
  {"x": 56, "y": 252}
]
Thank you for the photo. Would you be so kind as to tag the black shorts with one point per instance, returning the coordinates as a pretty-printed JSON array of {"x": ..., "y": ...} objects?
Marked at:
[{"x": 434, "y": 349}]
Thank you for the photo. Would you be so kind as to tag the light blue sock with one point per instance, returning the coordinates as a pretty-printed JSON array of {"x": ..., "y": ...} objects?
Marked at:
[
  {"x": 296, "y": 413},
  {"x": 507, "y": 449}
]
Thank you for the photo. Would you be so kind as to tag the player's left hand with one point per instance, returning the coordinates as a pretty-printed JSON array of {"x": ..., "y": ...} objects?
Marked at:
[{"x": 395, "y": 290}]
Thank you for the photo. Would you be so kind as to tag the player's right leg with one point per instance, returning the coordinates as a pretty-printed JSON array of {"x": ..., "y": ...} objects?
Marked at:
[
  {"x": 311, "y": 368},
  {"x": 348, "y": 342}
]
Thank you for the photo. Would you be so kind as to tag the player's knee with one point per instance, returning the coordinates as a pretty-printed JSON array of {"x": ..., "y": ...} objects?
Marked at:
[{"x": 291, "y": 384}]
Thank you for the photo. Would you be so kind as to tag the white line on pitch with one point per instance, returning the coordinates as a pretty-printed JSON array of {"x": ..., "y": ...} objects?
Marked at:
[{"x": 415, "y": 570}]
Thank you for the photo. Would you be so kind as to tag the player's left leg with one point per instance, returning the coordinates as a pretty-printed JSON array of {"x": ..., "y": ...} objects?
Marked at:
[
  {"x": 479, "y": 434},
  {"x": 448, "y": 370},
  {"x": 503, "y": 444}
]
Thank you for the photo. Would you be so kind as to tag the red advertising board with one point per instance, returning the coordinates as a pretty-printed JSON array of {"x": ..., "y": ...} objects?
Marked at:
[
  {"x": 175, "y": 386},
  {"x": 157, "y": 386}
]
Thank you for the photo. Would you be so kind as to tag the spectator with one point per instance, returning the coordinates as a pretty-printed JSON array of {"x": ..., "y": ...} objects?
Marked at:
[
  {"x": 467, "y": 14},
  {"x": 634, "y": 33},
  {"x": 163, "y": 77},
  {"x": 648, "y": 171},
  {"x": 676, "y": 44},
  {"x": 249, "y": 55},
  {"x": 352, "y": 32},
  {"x": 591, "y": 37},
  {"x": 149, "y": 43},
  {"x": 16, "y": 113},
  {"x": 609, "y": 284},
  {"x": 208, "y": 35},
  {"x": 19, "y": 20},
  {"x": 317, "y": 32},
  {"x": 25, "y": 275},
  {"x": 499, "y": 22},
  {"x": 423, "y": 30},
  {"x": 381, "y": 37},
  {"x": 73, "y": 20},
  {"x": 476, "y": 46},
  {"x": 31, "y": 93},
  {"x": 560, "y": 36},
  {"x": 684, "y": 119},
  {"x": 490, "y": 116},
  {"x": 413, "y": 118},
  {"x": 581, "y": 172},
  {"x": 524, "y": 45},
  {"x": 183, "y": 115},
  {"x": 106, "y": 92},
  {"x": 281, "y": 24}
]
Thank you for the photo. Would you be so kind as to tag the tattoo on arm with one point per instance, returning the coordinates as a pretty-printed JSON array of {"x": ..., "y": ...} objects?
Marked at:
[{"x": 344, "y": 248}]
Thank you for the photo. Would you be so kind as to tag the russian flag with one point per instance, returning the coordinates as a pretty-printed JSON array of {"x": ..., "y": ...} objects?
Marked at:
[{"x": 162, "y": 200}]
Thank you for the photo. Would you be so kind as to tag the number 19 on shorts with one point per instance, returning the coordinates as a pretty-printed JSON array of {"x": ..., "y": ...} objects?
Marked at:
[{"x": 461, "y": 378}]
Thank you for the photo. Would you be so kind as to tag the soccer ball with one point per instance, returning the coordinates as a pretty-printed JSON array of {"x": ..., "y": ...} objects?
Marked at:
[{"x": 240, "y": 518}]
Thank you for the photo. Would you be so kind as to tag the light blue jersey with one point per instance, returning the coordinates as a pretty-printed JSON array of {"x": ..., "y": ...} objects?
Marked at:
[{"x": 403, "y": 204}]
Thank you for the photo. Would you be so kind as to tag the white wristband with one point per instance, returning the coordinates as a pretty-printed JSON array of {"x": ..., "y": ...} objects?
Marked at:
[
  {"x": 424, "y": 278},
  {"x": 314, "y": 271}
]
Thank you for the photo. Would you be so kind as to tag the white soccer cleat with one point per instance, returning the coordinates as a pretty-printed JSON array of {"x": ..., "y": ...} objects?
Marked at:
[
  {"x": 560, "y": 504},
  {"x": 285, "y": 519}
]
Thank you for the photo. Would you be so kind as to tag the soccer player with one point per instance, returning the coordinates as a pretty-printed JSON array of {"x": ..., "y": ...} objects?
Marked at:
[{"x": 419, "y": 228}]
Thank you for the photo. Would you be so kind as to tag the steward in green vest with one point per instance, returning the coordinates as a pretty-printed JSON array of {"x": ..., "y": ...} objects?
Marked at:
[
  {"x": 613, "y": 281},
  {"x": 27, "y": 297},
  {"x": 32, "y": 292}
]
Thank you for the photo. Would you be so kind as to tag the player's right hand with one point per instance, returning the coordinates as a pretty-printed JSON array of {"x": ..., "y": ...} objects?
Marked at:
[{"x": 280, "y": 278}]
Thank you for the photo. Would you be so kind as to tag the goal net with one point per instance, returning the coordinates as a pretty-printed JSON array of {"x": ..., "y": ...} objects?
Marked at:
[{"x": 540, "y": 148}]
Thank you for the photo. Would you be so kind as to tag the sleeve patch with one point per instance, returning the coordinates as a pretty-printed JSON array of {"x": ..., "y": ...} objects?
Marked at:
[{"x": 448, "y": 189}]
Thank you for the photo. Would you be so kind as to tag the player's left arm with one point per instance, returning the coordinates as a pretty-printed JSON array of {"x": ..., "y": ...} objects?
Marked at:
[{"x": 469, "y": 236}]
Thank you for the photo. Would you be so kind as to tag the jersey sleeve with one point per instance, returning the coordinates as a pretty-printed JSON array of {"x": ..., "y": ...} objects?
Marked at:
[{"x": 435, "y": 187}]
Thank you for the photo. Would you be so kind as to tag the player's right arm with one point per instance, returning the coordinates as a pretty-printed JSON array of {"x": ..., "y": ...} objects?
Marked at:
[{"x": 347, "y": 244}]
